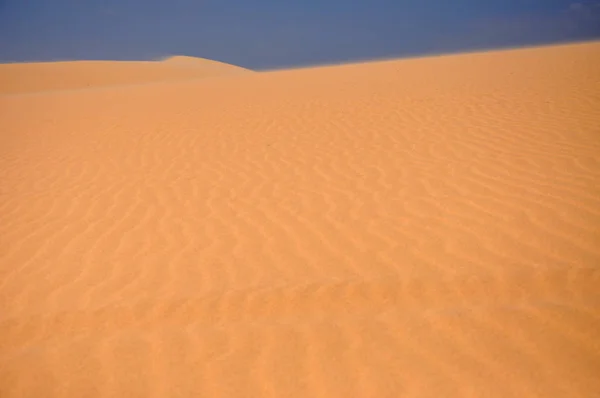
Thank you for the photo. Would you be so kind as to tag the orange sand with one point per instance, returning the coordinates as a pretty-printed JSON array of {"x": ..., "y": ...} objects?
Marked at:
[
  {"x": 412, "y": 228},
  {"x": 50, "y": 76}
]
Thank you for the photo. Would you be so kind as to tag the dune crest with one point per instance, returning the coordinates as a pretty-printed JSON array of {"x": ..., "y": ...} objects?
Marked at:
[
  {"x": 184, "y": 59},
  {"x": 409, "y": 228},
  {"x": 69, "y": 75}
]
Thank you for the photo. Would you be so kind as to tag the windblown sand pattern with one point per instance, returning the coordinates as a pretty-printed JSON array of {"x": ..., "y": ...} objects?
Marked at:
[
  {"x": 51, "y": 76},
  {"x": 412, "y": 228}
]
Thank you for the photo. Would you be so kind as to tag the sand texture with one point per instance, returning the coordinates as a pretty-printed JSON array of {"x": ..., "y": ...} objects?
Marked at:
[
  {"x": 54, "y": 76},
  {"x": 413, "y": 228}
]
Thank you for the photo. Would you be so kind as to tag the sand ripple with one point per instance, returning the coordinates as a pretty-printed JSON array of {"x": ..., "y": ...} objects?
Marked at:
[{"x": 416, "y": 228}]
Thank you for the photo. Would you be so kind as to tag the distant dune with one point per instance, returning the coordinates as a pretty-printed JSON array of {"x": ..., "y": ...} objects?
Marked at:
[
  {"x": 409, "y": 228},
  {"x": 48, "y": 76}
]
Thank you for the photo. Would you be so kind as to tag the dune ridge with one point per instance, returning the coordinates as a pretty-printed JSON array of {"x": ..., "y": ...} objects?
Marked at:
[
  {"x": 67, "y": 75},
  {"x": 418, "y": 228}
]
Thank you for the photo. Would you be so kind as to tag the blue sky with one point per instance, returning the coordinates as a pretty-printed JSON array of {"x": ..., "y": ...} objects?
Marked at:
[{"x": 264, "y": 34}]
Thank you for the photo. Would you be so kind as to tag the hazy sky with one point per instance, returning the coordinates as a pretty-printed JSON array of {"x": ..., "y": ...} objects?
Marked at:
[{"x": 262, "y": 34}]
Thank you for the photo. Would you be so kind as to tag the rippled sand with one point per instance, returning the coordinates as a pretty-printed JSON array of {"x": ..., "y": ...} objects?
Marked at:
[{"x": 410, "y": 228}]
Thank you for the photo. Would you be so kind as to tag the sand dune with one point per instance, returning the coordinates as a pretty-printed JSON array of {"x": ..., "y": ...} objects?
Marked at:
[
  {"x": 49, "y": 76},
  {"x": 411, "y": 228}
]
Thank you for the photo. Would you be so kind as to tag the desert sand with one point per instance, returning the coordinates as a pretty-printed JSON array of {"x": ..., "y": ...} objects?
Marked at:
[
  {"x": 53, "y": 76},
  {"x": 425, "y": 227}
]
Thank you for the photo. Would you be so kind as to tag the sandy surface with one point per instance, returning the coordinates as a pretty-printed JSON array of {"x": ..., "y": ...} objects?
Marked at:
[
  {"x": 53, "y": 76},
  {"x": 414, "y": 228}
]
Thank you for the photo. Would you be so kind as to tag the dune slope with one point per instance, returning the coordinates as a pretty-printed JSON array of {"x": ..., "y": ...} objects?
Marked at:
[
  {"x": 417, "y": 228},
  {"x": 48, "y": 76}
]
